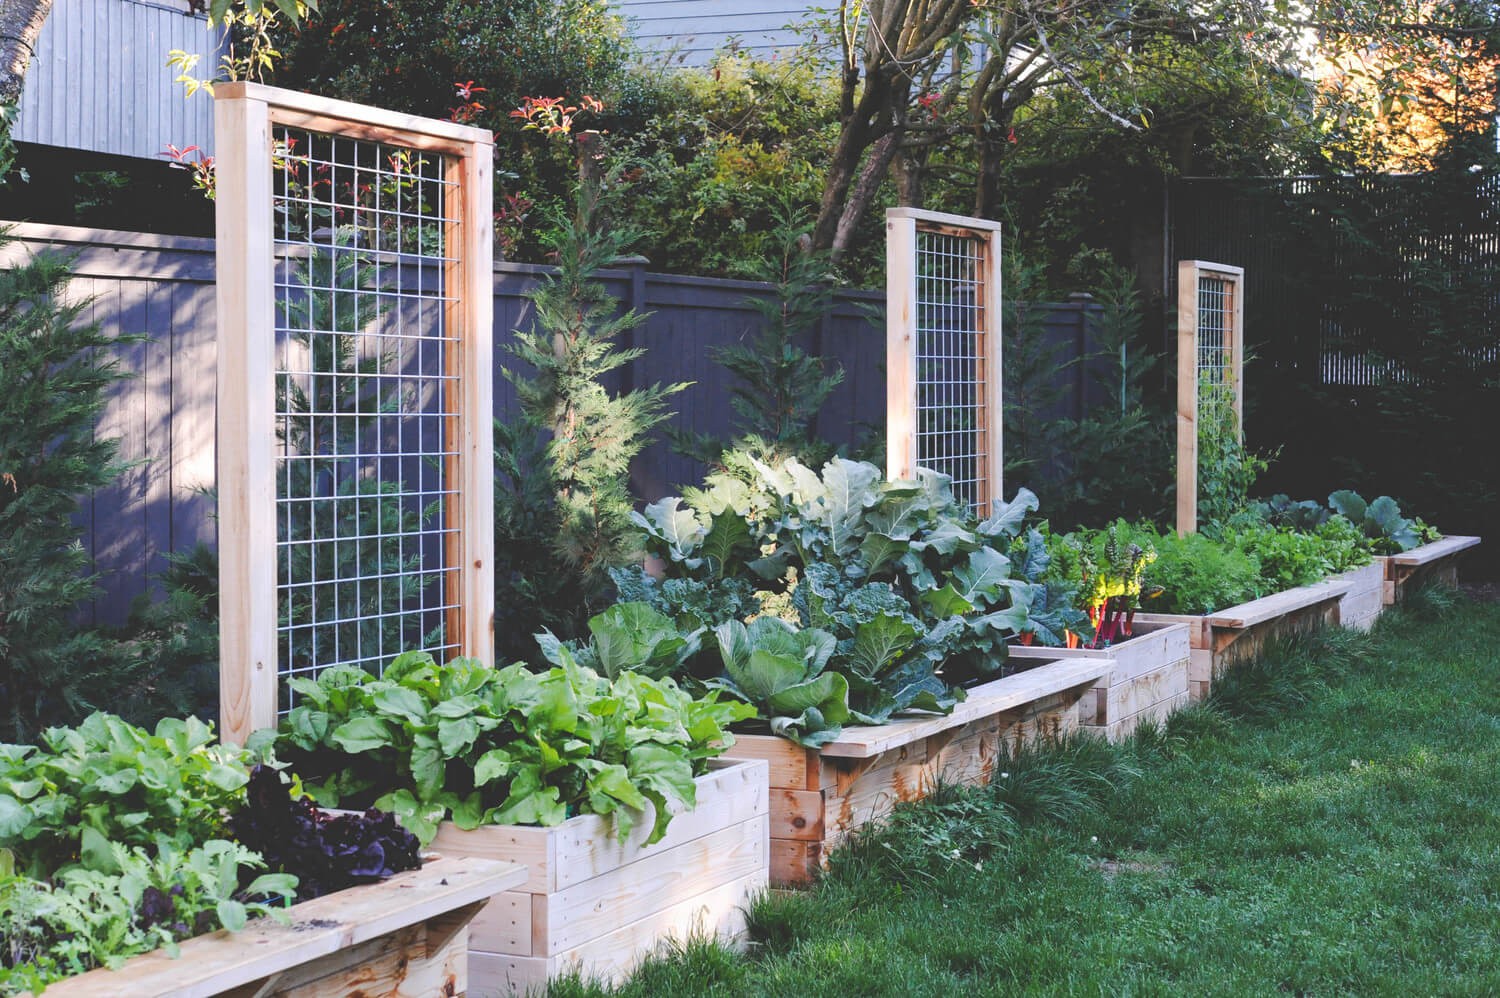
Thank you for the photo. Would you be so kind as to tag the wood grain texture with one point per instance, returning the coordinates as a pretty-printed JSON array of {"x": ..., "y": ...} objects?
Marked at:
[
  {"x": 324, "y": 929},
  {"x": 589, "y": 884},
  {"x": 246, "y": 300},
  {"x": 900, "y": 346}
]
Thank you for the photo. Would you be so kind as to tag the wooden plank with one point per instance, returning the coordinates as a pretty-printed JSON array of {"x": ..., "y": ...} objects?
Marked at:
[
  {"x": 469, "y": 280},
  {"x": 1277, "y": 605},
  {"x": 993, "y": 317},
  {"x": 1128, "y": 699},
  {"x": 792, "y": 767},
  {"x": 579, "y": 915},
  {"x": 614, "y": 956},
  {"x": 964, "y": 223},
  {"x": 1156, "y": 714},
  {"x": 504, "y": 925},
  {"x": 399, "y": 129},
  {"x": 731, "y": 792},
  {"x": 534, "y": 848},
  {"x": 397, "y": 966},
  {"x": 1437, "y": 550},
  {"x": 219, "y": 961},
  {"x": 794, "y": 863},
  {"x": 587, "y": 846},
  {"x": 246, "y": 298},
  {"x": 797, "y": 814},
  {"x": 1187, "y": 398},
  {"x": 900, "y": 346},
  {"x": 991, "y": 698}
]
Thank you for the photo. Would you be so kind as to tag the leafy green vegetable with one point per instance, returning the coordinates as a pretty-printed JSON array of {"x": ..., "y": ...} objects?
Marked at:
[
  {"x": 630, "y": 637},
  {"x": 849, "y": 547},
  {"x": 503, "y": 746},
  {"x": 1381, "y": 521},
  {"x": 779, "y": 671},
  {"x": 110, "y": 781}
]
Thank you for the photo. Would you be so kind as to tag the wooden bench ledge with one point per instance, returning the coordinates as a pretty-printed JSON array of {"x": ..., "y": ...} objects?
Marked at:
[
  {"x": 1258, "y": 611},
  {"x": 220, "y": 961},
  {"x": 983, "y": 701},
  {"x": 1428, "y": 553}
]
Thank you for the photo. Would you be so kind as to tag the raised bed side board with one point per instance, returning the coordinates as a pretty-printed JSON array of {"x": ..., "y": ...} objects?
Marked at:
[
  {"x": 820, "y": 796},
  {"x": 599, "y": 905},
  {"x": 1435, "y": 562},
  {"x": 1147, "y": 678},
  {"x": 1362, "y": 605},
  {"x": 1221, "y": 640},
  {"x": 403, "y": 937}
]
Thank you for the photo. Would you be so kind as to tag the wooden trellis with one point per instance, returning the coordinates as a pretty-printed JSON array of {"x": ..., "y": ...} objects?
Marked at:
[
  {"x": 1210, "y": 355},
  {"x": 943, "y": 387},
  {"x": 354, "y": 250}
]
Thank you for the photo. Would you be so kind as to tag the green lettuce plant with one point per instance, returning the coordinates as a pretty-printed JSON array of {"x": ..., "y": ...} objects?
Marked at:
[{"x": 503, "y": 746}]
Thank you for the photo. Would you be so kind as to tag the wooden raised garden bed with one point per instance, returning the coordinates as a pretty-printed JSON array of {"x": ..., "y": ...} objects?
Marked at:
[
  {"x": 1435, "y": 562},
  {"x": 405, "y": 937},
  {"x": 1220, "y": 640},
  {"x": 1147, "y": 677},
  {"x": 820, "y": 796},
  {"x": 594, "y": 903}
]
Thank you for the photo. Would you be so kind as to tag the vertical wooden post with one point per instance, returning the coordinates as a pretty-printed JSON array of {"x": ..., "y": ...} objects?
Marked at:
[
  {"x": 1234, "y": 342},
  {"x": 1189, "y": 275},
  {"x": 245, "y": 288},
  {"x": 900, "y": 347},
  {"x": 994, "y": 449},
  {"x": 470, "y": 286},
  {"x": 1187, "y": 398}
]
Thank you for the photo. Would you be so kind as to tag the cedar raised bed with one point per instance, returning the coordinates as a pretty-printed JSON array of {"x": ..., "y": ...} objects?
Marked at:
[
  {"x": 596, "y": 904},
  {"x": 820, "y": 796},
  {"x": 1435, "y": 562},
  {"x": 1220, "y": 640},
  {"x": 403, "y": 937},
  {"x": 1147, "y": 678}
]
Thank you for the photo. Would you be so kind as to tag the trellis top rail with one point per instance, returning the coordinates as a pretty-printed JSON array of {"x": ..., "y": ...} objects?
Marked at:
[
  {"x": 292, "y": 107},
  {"x": 943, "y": 218},
  {"x": 1205, "y": 267}
]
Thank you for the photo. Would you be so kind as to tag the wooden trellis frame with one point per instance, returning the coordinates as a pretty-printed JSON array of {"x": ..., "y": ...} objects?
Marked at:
[
  {"x": 943, "y": 318},
  {"x": 1210, "y": 325},
  {"x": 247, "y": 117}
]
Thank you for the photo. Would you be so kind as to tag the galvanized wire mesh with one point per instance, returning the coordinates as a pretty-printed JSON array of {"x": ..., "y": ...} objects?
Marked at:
[
  {"x": 366, "y": 416},
  {"x": 952, "y": 425},
  {"x": 1215, "y": 327}
]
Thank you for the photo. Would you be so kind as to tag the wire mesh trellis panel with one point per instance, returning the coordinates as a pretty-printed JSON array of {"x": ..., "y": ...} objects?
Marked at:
[
  {"x": 943, "y": 351},
  {"x": 355, "y": 483},
  {"x": 1210, "y": 366}
]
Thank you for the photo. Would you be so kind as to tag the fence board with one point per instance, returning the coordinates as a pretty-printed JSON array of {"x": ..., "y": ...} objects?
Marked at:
[{"x": 164, "y": 415}]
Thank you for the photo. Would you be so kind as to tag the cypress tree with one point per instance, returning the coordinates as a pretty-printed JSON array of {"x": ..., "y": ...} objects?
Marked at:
[
  {"x": 53, "y": 377},
  {"x": 554, "y": 549}
]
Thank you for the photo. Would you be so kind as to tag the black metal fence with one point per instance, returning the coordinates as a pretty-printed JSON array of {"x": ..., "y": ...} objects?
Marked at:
[{"x": 1372, "y": 319}]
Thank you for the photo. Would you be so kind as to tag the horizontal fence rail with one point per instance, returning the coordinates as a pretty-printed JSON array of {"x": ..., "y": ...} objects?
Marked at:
[{"x": 163, "y": 414}]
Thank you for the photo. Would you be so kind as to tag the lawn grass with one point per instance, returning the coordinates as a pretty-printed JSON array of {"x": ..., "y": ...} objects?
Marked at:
[{"x": 1329, "y": 824}]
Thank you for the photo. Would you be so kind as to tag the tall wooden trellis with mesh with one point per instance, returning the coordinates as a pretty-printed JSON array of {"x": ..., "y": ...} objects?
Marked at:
[
  {"x": 1210, "y": 365},
  {"x": 943, "y": 385},
  {"x": 354, "y": 256}
]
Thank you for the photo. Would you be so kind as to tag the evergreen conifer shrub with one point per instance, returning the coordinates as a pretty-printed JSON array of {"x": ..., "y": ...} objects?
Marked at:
[{"x": 54, "y": 372}]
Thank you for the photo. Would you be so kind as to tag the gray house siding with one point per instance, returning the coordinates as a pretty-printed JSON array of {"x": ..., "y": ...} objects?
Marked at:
[
  {"x": 100, "y": 81},
  {"x": 694, "y": 29}
]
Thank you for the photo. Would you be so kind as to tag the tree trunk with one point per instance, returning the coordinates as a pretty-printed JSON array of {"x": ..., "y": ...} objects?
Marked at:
[
  {"x": 20, "y": 23},
  {"x": 858, "y": 201}
]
